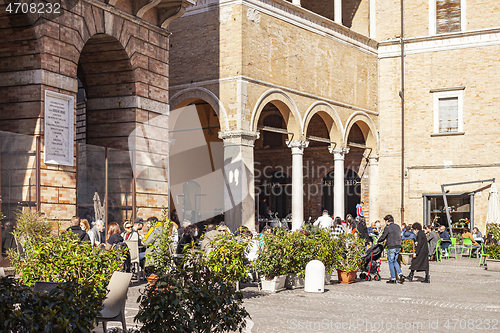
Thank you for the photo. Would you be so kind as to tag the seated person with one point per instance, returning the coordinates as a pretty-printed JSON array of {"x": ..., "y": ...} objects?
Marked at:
[
  {"x": 478, "y": 236},
  {"x": 189, "y": 237},
  {"x": 373, "y": 230},
  {"x": 445, "y": 239},
  {"x": 475, "y": 245},
  {"x": 130, "y": 234},
  {"x": 324, "y": 221},
  {"x": 114, "y": 240},
  {"x": 490, "y": 240},
  {"x": 409, "y": 234}
]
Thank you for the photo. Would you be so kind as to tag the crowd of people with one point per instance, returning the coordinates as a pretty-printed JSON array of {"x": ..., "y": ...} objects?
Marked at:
[{"x": 425, "y": 240}]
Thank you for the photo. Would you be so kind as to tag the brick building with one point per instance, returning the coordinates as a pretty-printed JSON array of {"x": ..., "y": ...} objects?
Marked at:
[
  {"x": 84, "y": 106},
  {"x": 299, "y": 100},
  {"x": 304, "y": 88}
]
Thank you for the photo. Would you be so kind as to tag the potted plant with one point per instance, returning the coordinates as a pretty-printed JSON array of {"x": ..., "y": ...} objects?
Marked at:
[
  {"x": 407, "y": 250},
  {"x": 272, "y": 261},
  {"x": 301, "y": 248},
  {"x": 159, "y": 258},
  {"x": 191, "y": 298},
  {"x": 228, "y": 259},
  {"x": 493, "y": 259},
  {"x": 349, "y": 250}
]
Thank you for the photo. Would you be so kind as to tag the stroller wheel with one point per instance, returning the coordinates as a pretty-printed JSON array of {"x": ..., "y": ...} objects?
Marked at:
[
  {"x": 369, "y": 277},
  {"x": 376, "y": 277},
  {"x": 362, "y": 276}
]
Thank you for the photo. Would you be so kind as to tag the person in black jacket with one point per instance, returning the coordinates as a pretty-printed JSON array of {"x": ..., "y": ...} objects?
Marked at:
[
  {"x": 8, "y": 240},
  {"x": 189, "y": 237},
  {"x": 392, "y": 233},
  {"x": 363, "y": 231},
  {"x": 420, "y": 261},
  {"x": 77, "y": 230}
]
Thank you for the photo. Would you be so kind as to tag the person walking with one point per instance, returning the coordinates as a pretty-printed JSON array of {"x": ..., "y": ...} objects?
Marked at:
[
  {"x": 432, "y": 239},
  {"x": 420, "y": 261},
  {"x": 392, "y": 233}
]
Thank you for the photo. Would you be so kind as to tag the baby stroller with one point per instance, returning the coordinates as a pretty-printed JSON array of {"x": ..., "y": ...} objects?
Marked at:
[{"x": 370, "y": 263}]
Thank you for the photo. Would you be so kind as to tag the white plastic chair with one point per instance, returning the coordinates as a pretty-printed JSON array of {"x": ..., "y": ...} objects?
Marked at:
[
  {"x": 133, "y": 247},
  {"x": 114, "y": 304}
]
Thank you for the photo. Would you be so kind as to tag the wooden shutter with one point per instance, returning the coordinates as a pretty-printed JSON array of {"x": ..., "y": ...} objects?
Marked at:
[
  {"x": 448, "y": 114},
  {"x": 448, "y": 16}
]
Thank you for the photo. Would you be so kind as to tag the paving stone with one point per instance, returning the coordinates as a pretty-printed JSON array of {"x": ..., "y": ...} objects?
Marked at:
[{"x": 461, "y": 297}]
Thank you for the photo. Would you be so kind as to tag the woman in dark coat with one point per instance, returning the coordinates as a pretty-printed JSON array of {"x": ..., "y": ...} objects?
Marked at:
[{"x": 420, "y": 261}]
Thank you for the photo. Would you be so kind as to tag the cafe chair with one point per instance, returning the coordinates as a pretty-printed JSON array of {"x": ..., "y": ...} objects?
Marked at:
[
  {"x": 468, "y": 245},
  {"x": 482, "y": 256},
  {"x": 438, "y": 251},
  {"x": 454, "y": 247},
  {"x": 133, "y": 247},
  {"x": 114, "y": 304}
]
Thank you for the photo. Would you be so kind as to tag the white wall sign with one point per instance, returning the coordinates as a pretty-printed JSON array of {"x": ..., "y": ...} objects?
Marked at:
[{"x": 59, "y": 128}]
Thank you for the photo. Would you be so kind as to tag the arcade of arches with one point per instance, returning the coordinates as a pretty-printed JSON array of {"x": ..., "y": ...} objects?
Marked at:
[{"x": 271, "y": 156}]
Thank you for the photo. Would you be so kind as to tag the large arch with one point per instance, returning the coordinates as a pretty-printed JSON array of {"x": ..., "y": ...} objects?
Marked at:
[
  {"x": 329, "y": 116},
  {"x": 187, "y": 96},
  {"x": 285, "y": 105},
  {"x": 368, "y": 128}
]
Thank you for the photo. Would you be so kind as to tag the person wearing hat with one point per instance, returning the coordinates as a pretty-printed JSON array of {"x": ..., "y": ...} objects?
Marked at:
[{"x": 130, "y": 234}]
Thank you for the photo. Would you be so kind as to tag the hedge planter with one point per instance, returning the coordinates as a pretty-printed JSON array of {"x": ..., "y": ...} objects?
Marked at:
[
  {"x": 493, "y": 265},
  {"x": 346, "y": 277},
  {"x": 294, "y": 282},
  {"x": 407, "y": 257},
  {"x": 274, "y": 285}
]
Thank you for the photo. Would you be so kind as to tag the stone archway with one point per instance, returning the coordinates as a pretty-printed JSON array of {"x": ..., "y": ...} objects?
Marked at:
[{"x": 367, "y": 148}]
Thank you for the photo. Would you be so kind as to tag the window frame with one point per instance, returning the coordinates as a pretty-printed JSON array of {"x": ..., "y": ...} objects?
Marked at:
[
  {"x": 433, "y": 17},
  {"x": 438, "y": 94}
]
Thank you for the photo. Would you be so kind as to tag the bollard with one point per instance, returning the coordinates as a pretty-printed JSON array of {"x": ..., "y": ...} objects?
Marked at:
[{"x": 315, "y": 277}]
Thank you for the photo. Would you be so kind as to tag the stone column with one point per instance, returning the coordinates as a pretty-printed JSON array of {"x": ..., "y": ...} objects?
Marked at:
[
  {"x": 239, "y": 184},
  {"x": 338, "y": 11},
  {"x": 296, "y": 2},
  {"x": 297, "y": 182},
  {"x": 374, "y": 194},
  {"x": 339, "y": 181}
]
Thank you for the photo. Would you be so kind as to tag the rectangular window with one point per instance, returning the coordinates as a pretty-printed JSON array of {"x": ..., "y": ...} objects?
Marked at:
[
  {"x": 448, "y": 16},
  {"x": 448, "y": 110},
  {"x": 448, "y": 114}
]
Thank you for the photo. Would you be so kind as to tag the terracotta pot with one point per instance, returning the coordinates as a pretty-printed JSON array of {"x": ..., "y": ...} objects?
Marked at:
[{"x": 346, "y": 277}]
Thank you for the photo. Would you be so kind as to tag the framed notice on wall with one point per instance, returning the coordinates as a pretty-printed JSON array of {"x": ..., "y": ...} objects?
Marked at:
[{"x": 59, "y": 128}]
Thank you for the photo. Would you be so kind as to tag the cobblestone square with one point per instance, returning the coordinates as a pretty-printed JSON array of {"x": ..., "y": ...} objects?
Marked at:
[{"x": 461, "y": 297}]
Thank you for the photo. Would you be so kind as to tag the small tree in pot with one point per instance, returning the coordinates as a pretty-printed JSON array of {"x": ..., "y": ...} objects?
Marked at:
[
  {"x": 349, "y": 251},
  {"x": 191, "y": 298}
]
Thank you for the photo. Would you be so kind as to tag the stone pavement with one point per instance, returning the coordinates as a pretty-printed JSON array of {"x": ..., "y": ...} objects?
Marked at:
[{"x": 461, "y": 297}]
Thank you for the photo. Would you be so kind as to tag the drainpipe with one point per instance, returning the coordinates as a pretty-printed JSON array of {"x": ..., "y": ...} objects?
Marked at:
[{"x": 402, "y": 95}]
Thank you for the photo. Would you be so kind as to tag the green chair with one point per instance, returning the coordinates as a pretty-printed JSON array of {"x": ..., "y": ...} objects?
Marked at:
[
  {"x": 469, "y": 245},
  {"x": 482, "y": 256},
  {"x": 438, "y": 251},
  {"x": 454, "y": 247}
]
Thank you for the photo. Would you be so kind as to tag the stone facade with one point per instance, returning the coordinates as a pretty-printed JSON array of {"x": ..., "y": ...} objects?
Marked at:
[
  {"x": 255, "y": 52},
  {"x": 118, "y": 50}
]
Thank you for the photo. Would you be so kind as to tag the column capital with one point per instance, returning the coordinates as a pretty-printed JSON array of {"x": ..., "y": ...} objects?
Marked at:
[
  {"x": 297, "y": 146},
  {"x": 239, "y": 137},
  {"x": 338, "y": 153},
  {"x": 373, "y": 158}
]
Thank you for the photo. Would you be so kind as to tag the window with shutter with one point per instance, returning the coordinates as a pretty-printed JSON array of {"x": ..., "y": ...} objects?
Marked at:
[
  {"x": 448, "y": 16},
  {"x": 448, "y": 114},
  {"x": 448, "y": 111}
]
